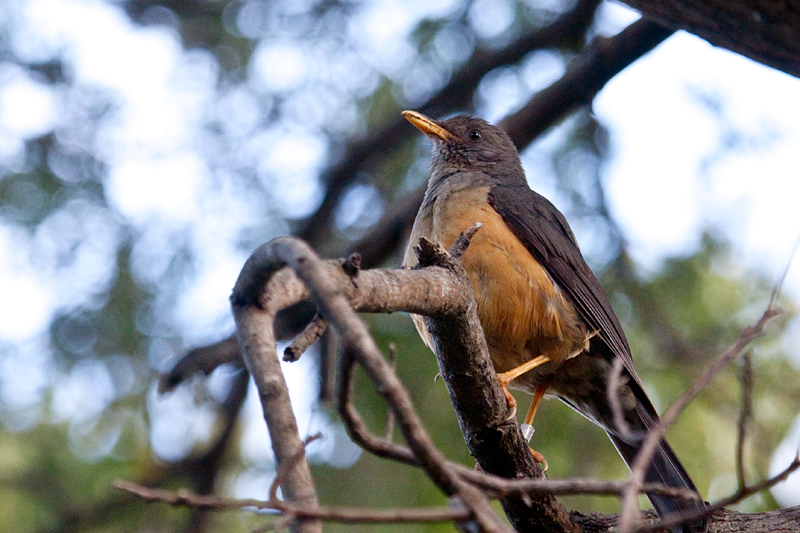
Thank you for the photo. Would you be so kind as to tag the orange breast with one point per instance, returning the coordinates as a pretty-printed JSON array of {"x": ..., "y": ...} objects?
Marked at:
[{"x": 522, "y": 312}]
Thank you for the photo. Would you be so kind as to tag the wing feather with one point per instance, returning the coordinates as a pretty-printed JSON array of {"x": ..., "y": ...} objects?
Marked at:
[{"x": 548, "y": 237}]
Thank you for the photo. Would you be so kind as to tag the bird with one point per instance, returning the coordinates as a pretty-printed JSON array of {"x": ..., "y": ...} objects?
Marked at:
[{"x": 549, "y": 325}]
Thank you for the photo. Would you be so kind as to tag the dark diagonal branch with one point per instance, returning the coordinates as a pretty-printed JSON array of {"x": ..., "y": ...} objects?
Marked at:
[
  {"x": 201, "y": 360},
  {"x": 603, "y": 59},
  {"x": 763, "y": 30},
  {"x": 491, "y": 431},
  {"x": 566, "y": 31}
]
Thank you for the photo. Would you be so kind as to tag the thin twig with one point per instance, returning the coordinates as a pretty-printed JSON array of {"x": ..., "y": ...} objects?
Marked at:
[
  {"x": 745, "y": 416},
  {"x": 776, "y": 292},
  {"x": 201, "y": 360},
  {"x": 286, "y": 467},
  {"x": 734, "y": 498},
  {"x": 355, "y": 425},
  {"x": 311, "y": 334},
  {"x": 390, "y": 418},
  {"x": 463, "y": 241},
  {"x": 630, "y": 500},
  {"x": 349, "y": 515}
]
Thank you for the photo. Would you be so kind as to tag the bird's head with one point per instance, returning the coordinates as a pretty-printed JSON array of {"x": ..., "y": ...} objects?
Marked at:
[{"x": 466, "y": 143}]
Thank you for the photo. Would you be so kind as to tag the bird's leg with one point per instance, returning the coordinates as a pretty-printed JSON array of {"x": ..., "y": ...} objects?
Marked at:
[
  {"x": 537, "y": 398},
  {"x": 527, "y": 425},
  {"x": 507, "y": 377}
]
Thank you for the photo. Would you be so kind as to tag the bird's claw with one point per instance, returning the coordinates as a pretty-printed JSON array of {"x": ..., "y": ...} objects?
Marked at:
[
  {"x": 510, "y": 400},
  {"x": 539, "y": 458}
]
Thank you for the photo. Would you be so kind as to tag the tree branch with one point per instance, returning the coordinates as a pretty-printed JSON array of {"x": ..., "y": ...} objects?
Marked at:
[
  {"x": 347, "y": 515},
  {"x": 603, "y": 59},
  {"x": 763, "y": 30},
  {"x": 255, "y": 329},
  {"x": 439, "y": 288},
  {"x": 629, "y": 503},
  {"x": 567, "y": 30},
  {"x": 329, "y": 285},
  {"x": 490, "y": 429}
]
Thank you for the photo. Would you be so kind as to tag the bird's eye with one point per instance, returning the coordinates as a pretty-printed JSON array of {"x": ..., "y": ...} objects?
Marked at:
[{"x": 474, "y": 135}]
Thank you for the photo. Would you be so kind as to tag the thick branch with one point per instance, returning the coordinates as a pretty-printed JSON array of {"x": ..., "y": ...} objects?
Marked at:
[
  {"x": 763, "y": 30},
  {"x": 255, "y": 331},
  {"x": 329, "y": 286},
  {"x": 491, "y": 431}
]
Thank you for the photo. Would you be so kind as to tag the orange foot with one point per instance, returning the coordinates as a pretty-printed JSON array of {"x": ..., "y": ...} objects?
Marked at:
[
  {"x": 507, "y": 377},
  {"x": 539, "y": 458}
]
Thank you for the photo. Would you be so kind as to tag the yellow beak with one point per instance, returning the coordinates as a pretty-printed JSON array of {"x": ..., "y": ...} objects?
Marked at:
[{"x": 428, "y": 126}]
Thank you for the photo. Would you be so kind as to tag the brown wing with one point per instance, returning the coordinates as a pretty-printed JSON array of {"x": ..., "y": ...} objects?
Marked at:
[
  {"x": 548, "y": 237},
  {"x": 546, "y": 234}
]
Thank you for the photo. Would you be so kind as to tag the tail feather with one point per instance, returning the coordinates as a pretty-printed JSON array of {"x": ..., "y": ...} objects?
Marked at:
[{"x": 665, "y": 468}]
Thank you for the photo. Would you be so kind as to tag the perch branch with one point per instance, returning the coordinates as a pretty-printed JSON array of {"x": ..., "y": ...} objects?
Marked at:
[{"x": 320, "y": 278}]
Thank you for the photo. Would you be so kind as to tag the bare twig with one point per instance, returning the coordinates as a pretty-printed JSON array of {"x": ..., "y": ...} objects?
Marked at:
[
  {"x": 349, "y": 515},
  {"x": 736, "y": 497},
  {"x": 201, "y": 360},
  {"x": 776, "y": 292},
  {"x": 629, "y": 502},
  {"x": 463, "y": 241},
  {"x": 367, "y": 515},
  {"x": 288, "y": 323},
  {"x": 390, "y": 418},
  {"x": 286, "y": 467},
  {"x": 744, "y": 417},
  {"x": 357, "y": 429},
  {"x": 311, "y": 334}
]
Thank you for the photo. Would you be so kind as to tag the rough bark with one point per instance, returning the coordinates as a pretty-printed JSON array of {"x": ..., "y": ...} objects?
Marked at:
[{"x": 763, "y": 30}]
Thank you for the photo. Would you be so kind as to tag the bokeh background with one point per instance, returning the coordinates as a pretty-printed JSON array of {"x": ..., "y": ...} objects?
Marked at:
[{"x": 147, "y": 147}]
